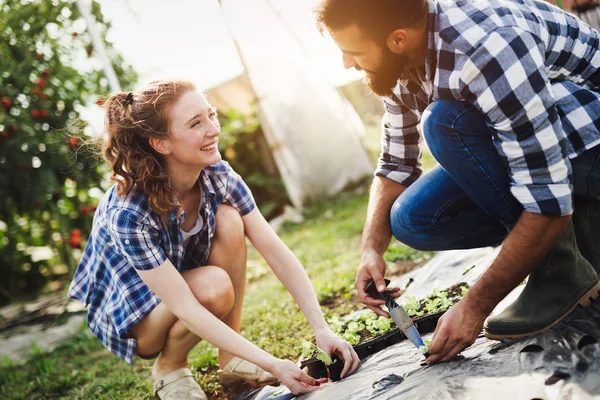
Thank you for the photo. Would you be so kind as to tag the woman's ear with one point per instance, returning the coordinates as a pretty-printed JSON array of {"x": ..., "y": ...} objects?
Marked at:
[
  {"x": 397, "y": 41},
  {"x": 161, "y": 146}
]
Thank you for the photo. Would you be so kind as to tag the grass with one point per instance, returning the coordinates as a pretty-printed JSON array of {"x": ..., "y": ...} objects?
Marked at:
[{"x": 328, "y": 245}]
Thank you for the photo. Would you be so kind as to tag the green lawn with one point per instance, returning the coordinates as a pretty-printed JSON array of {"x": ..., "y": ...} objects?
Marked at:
[{"x": 327, "y": 243}]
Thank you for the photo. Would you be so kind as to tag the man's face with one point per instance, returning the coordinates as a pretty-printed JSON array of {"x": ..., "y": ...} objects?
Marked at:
[{"x": 382, "y": 67}]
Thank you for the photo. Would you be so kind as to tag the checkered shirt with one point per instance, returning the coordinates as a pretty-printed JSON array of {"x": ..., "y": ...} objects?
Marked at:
[
  {"x": 127, "y": 235},
  {"x": 530, "y": 68}
]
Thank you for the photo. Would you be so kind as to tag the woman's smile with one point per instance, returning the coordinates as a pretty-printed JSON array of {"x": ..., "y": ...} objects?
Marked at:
[{"x": 209, "y": 148}]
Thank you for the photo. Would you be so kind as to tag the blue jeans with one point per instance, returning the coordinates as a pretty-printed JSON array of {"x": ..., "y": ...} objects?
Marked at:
[{"x": 465, "y": 202}]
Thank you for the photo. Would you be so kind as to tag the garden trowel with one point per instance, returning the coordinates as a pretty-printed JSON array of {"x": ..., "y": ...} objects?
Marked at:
[{"x": 402, "y": 320}]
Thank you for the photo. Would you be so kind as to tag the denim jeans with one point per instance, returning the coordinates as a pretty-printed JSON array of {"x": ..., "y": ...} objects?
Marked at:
[{"x": 465, "y": 202}]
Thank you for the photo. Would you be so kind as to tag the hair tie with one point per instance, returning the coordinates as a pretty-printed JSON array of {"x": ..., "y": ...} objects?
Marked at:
[{"x": 129, "y": 99}]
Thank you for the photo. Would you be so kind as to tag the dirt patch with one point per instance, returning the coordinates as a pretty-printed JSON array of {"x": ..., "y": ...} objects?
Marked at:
[
  {"x": 398, "y": 268},
  {"x": 45, "y": 321}
]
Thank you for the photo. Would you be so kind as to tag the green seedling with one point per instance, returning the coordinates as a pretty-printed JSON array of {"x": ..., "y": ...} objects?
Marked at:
[
  {"x": 463, "y": 291},
  {"x": 412, "y": 306},
  {"x": 308, "y": 349},
  {"x": 324, "y": 357},
  {"x": 425, "y": 349},
  {"x": 355, "y": 326},
  {"x": 379, "y": 326},
  {"x": 351, "y": 338}
]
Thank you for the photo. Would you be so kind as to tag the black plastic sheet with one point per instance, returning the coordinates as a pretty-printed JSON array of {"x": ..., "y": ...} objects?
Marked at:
[{"x": 562, "y": 363}]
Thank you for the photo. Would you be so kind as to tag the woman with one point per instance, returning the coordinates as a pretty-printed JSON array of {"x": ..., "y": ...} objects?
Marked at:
[{"x": 165, "y": 263}]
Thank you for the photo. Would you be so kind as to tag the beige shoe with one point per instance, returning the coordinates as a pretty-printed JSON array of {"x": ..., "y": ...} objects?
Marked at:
[
  {"x": 240, "y": 372},
  {"x": 178, "y": 385}
]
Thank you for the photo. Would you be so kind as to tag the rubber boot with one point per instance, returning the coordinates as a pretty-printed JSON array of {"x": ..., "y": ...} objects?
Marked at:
[
  {"x": 563, "y": 280},
  {"x": 586, "y": 220}
]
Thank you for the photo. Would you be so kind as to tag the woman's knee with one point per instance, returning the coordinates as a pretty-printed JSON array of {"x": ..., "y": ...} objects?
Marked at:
[
  {"x": 213, "y": 289},
  {"x": 151, "y": 332},
  {"x": 229, "y": 225}
]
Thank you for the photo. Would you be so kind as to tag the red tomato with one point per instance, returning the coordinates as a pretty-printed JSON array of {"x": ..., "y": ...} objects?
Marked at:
[{"x": 73, "y": 143}]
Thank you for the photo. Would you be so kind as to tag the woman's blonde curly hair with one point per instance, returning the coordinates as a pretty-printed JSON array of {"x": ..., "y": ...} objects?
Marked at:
[{"x": 132, "y": 118}]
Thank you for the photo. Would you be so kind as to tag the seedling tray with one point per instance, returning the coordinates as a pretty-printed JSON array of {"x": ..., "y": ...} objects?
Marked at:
[{"x": 317, "y": 369}]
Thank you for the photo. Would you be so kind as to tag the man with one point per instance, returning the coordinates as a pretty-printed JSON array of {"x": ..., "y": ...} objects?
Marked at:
[{"x": 507, "y": 97}]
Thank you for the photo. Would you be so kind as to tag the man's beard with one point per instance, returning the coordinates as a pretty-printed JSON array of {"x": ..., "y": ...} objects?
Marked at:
[{"x": 382, "y": 81}]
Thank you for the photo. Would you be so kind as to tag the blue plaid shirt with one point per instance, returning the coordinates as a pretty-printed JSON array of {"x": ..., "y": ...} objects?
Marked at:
[
  {"x": 530, "y": 68},
  {"x": 127, "y": 235}
]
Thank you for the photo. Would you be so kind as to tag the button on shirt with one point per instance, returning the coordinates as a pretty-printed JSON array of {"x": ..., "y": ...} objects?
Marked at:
[
  {"x": 530, "y": 68},
  {"x": 127, "y": 235}
]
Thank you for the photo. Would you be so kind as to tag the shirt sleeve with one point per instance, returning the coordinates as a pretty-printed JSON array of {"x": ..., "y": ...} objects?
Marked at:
[
  {"x": 400, "y": 157},
  {"x": 238, "y": 194},
  {"x": 505, "y": 79},
  {"x": 137, "y": 241}
]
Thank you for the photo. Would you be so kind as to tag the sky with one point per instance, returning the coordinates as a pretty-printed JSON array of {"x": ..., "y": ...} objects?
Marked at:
[{"x": 191, "y": 39}]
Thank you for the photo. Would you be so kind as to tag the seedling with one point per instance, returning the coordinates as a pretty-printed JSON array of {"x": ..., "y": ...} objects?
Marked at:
[
  {"x": 437, "y": 301},
  {"x": 425, "y": 349},
  {"x": 309, "y": 349},
  {"x": 324, "y": 357}
]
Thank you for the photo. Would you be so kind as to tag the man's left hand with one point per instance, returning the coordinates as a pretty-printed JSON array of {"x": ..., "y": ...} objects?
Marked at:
[{"x": 456, "y": 331}]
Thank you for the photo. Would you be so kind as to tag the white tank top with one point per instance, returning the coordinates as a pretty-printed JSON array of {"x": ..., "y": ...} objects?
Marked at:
[{"x": 187, "y": 235}]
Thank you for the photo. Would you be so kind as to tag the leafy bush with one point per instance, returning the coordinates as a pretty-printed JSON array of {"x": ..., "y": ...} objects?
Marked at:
[
  {"x": 47, "y": 72},
  {"x": 243, "y": 145}
]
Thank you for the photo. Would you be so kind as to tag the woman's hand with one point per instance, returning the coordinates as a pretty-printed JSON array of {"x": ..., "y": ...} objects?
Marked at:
[
  {"x": 293, "y": 378},
  {"x": 333, "y": 344}
]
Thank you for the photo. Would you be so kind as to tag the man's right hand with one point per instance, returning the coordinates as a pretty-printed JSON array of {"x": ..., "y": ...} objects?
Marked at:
[{"x": 372, "y": 266}]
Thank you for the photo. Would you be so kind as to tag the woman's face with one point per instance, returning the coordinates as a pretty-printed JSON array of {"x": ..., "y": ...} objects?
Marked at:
[{"x": 194, "y": 132}]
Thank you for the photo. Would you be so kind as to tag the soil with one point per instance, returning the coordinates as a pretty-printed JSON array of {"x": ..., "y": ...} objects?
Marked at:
[
  {"x": 398, "y": 268},
  {"x": 342, "y": 301},
  {"x": 46, "y": 320}
]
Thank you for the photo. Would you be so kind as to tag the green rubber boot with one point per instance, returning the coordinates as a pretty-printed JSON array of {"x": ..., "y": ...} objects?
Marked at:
[
  {"x": 586, "y": 220},
  {"x": 562, "y": 281}
]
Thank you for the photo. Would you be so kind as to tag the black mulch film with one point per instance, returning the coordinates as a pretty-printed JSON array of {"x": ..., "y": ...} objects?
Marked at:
[{"x": 562, "y": 363}]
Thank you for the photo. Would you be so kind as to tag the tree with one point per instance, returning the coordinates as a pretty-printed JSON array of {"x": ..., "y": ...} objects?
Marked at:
[{"x": 47, "y": 73}]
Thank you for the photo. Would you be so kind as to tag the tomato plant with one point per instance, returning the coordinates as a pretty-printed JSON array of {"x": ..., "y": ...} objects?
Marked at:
[{"x": 45, "y": 80}]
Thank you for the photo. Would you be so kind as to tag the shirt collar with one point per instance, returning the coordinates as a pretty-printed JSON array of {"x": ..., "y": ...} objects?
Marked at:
[
  {"x": 431, "y": 58},
  {"x": 207, "y": 185}
]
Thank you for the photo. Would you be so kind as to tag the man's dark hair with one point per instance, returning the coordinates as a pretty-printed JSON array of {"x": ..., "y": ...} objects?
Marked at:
[{"x": 375, "y": 18}]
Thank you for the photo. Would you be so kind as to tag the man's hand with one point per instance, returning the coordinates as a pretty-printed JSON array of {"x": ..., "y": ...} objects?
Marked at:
[
  {"x": 372, "y": 266},
  {"x": 456, "y": 331}
]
